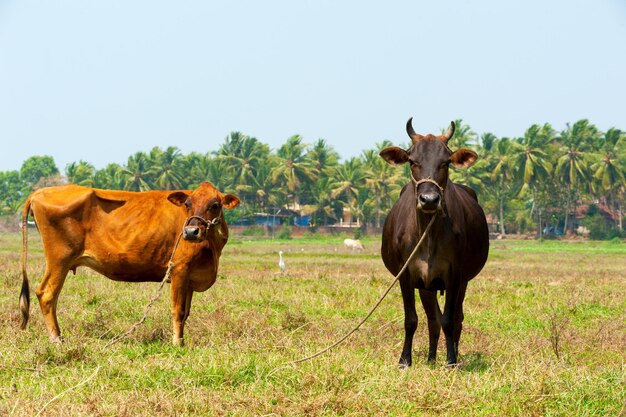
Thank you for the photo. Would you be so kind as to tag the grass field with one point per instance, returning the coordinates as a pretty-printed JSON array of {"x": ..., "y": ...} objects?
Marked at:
[{"x": 544, "y": 335}]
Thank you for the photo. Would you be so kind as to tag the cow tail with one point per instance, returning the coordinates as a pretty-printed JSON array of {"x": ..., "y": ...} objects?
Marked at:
[{"x": 25, "y": 293}]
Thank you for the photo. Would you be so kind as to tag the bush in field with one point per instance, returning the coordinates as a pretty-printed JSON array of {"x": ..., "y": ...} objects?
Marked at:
[
  {"x": 599, "y": 226},
  {"x": 253, "y": 230},
  {"x": 284, "y": 232}
]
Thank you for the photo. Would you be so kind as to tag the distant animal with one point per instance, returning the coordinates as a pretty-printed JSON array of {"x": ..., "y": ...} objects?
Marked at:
[
  {"x": 455, "y": 249},
  {"x": 127, "y": 236},
  {"x": 353, "y": 244},
  {"x": 281, "y": 262}
]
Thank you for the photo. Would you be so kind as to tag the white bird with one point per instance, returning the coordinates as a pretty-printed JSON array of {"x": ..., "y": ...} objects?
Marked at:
[{"x": 281, "y": 263}]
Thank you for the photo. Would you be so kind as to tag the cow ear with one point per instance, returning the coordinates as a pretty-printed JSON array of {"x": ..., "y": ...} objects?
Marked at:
[
  {"x": 178, "y": 198},
  {"x": 394, "y": 155},
  {"x": 463, "y": 158},
  {"x": 230, "y": 201}
]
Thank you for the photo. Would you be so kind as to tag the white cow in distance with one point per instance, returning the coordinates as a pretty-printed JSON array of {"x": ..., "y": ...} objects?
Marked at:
[{"x": 353, "y": 244}]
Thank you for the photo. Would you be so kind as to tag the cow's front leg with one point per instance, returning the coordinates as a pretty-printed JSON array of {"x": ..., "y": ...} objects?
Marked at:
[
  {"x": 410, "y": 321},
  {"x": 181, "y": 303},
  {"x": 433, "y": 314}
]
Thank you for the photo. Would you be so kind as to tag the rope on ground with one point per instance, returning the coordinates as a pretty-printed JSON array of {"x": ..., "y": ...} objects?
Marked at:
[
  {"x": 380, "y": 300},
  {"x": 83, "y": 382}
]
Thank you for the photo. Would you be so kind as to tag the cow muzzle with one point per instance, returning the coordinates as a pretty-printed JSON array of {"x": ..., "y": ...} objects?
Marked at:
[
  {"x": 199, "y": 232},
  {"x": 428, "y": 202},
  {"x": 431, "y": 199},
  {"x": 194, "y": 233}
]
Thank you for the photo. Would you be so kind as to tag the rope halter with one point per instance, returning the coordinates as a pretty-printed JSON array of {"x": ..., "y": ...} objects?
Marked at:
[
  {"x": 207, "y": 224},
  {"x": 417, "y": 183}
]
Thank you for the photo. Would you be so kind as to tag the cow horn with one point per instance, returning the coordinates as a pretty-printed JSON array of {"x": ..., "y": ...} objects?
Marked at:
[
  {"x": 448, "y": 134},
  {"x": 409, "y": 129}
]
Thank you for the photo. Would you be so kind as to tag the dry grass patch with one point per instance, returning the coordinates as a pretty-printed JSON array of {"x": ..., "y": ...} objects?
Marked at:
[{"x": 544, "y": 334}]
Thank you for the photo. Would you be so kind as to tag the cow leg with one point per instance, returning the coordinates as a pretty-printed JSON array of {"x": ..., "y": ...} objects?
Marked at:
[
  {"x": 410, "y": 321},
  {"x": 48, "y": 295},
  {"x": 451, "y": 322},
  {"x": 188, "y": 304},
  {"x": 458, "y": 317},
  {"x": 433, "y": 314},
  {"x": 181, "y": 303}
]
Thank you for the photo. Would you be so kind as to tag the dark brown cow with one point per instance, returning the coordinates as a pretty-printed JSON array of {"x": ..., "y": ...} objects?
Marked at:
[
  {"x": 127, "y": 236},
  {"x": 455, "y": 249}
]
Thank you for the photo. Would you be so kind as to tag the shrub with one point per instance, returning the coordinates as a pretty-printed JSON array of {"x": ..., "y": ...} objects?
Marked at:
[
  {"x": 600, "y": 228},
  {"x": 253, "y": 230},
  {"x": 284, "y": 232}
]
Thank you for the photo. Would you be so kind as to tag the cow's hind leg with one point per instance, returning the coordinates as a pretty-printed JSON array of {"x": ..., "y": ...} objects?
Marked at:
[
  {"x": 458, "y": 317},
  {"x": 410, "y": 322},
  {"x": 48, "y": 295},
  {"x": 452, "y": 320},
  {"x": 433, "y": 314}
]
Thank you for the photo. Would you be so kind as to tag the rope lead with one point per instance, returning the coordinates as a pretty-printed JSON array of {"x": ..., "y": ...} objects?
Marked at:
[{"x": 380, "y": 300}]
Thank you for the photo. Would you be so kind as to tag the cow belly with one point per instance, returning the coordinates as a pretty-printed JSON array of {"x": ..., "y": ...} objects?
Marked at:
[{"x": 121, "y": 269}]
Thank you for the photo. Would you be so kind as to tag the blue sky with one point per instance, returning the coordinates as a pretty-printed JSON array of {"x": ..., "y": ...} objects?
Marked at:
[{"x": 100, "y": 80}]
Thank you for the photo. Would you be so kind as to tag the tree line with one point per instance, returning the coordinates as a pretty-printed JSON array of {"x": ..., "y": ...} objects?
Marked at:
[{"x": 541, "y": 182}]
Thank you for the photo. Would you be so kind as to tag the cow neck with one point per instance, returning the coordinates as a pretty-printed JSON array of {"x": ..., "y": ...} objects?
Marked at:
[{"x": 423, "y": 219}]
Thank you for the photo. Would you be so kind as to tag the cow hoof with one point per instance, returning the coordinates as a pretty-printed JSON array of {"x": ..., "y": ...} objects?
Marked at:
[
  {"x": 454, "y": 365},
  {"x": 179, "y": 342},
  {"x": 404, "y": 364},
  {"x": 56, "y": 340}
]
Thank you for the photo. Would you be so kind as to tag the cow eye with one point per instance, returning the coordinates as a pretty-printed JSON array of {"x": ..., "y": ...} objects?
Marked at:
[
  {"x": 214, "y": 206},
  {"x": 188, "y": 204}
]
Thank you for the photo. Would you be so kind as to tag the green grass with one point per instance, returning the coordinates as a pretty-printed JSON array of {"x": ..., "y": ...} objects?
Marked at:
[
  {"x": 544, "y": 335},
  {"x": 558, "y": 246}
]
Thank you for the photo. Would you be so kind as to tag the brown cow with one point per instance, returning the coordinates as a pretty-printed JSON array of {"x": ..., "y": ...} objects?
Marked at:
[
  {"x": 455, "y": 249},
  {"x": 127, "y": 236}
]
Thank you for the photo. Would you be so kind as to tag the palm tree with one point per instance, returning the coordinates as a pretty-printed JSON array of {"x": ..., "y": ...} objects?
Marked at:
[
  {"x": 501, "y": 184},
  {"x": 383, "y": 181},
  {"x": 167, "y": 168},
  {"x": 243, "y": 155},
  {"x": 487, "y": 141},
  {"x": 347, "y": 181},
  {"x": 322, "y": 156},
  {"x": 109, "y": 177},
  {"x": 532, "y": 161},
  {"x": 293, "y": 167},
  {"x": 81, "y": 173},
  {"x": 465, "y": 137},
  {"x": 608, "y": 170},
  {"x": 204, "y": 167},
  {"x": 138, "y": 173},
  {"x": 573, "y": 164},
  {"x": 267, "y": 194},
  {"x": 323, "y": 204}
]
